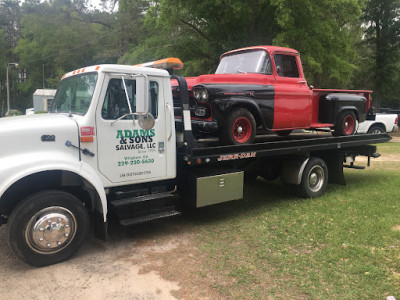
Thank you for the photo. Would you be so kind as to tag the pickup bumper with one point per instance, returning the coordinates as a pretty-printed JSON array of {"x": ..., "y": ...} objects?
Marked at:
[{"x": 199, "y": 127}]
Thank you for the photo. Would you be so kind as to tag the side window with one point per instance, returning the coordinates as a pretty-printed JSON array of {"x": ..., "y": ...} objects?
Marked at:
[
  {"x": 286, "y": 65},
  {"x": 115, "y": 104}
]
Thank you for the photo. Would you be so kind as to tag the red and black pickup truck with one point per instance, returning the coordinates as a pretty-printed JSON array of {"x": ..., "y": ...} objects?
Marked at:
[{"x": 264, "y": 87}]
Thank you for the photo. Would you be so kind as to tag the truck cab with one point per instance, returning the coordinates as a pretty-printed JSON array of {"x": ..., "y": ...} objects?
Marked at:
[
  {"x": 264, "y": 87},
  {"x": 109, "y": 127}
]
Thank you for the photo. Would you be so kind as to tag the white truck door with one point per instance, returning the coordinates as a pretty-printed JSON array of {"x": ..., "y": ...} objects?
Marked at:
[{"x": 127, "y": 152}]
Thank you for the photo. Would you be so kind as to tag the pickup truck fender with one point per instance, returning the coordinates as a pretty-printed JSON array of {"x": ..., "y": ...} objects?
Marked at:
[
  {"x": 331, "y": 106},
  {"x": 16, "y": 168},
  {"x": 226, "y": 105}
]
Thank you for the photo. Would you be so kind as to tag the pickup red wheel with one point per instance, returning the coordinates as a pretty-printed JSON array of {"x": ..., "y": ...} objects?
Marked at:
[
  {"x": 346, "y": 124},
  {"x": 240, "y": 127}
]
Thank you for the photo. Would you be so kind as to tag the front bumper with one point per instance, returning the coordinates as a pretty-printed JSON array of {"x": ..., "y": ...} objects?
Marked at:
[{"x": 199, "y": 127}]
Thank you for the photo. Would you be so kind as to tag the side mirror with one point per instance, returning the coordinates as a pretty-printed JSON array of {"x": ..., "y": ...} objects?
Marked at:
[
  {"x": 142, "y": 91},
  {"x": 146, "y": 121}
]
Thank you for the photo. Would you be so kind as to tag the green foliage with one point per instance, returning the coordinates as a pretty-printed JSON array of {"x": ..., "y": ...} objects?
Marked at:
[
  {"x": 339, "y": 40},
  {"x": 321, "y": 31},
  {"x": 198, "y": 32},
  {"x": 383, "y": 37}
]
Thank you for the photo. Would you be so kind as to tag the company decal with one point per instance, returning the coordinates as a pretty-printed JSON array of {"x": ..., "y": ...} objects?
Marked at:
[
  {"x": 237, "y": 156},
  {"x": 135, "y": 139},
  {"x": 142, "y": 142}
]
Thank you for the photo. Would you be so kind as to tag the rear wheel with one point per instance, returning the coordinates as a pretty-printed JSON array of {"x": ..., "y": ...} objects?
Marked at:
[
  {"x": 48, "y": 227},
  {"x": 375, "y": 129},
  {"x": 314, "y": 179},
  {"x": 346, "y": 124},
  {"x": 240, "y": 128}
]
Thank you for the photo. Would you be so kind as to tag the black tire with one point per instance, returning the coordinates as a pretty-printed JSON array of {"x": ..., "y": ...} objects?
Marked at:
[
  {"x": 376, "y": 129},
  {"x": 48, "y": 227},
  {"x": 239, "y": 128},
  {"x": 314, "y": 179},
  {"x": 346, "y": 124}
]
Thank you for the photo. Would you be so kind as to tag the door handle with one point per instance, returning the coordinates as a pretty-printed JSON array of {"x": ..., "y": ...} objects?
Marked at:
[
  {"x": 302, "y": 81},
  {"x": 170, "y": 121}
]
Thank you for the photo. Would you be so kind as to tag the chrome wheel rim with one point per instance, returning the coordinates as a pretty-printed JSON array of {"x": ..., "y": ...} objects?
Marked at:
[
  {"x": 316, "y": 178},
  {"x": 51, "y": 230}
]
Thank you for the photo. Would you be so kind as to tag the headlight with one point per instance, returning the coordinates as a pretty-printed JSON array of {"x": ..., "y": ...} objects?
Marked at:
[
  {"x": 200, "y": 93},
  {"x": 197, "y": 94}
]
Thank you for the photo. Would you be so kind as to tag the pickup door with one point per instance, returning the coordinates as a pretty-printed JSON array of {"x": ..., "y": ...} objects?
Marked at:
[{"x": 293, "y": 98}]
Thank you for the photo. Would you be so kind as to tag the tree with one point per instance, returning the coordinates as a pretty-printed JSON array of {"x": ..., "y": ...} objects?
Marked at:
[
  {"x": 60, "y": 36},
  {"x": 383, "y": 36},
  {"x": 322, "y": 31},
  {"x": 198, "y": 32}
]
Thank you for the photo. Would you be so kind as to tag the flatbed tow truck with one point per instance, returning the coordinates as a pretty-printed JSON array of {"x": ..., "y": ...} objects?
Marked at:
[{"x": 110, "y": 146}]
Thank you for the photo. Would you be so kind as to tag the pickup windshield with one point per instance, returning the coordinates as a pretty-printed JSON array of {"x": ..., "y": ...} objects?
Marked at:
[
  {"x": 74, "y": 94},
  {"x": 256, "y": 61}
]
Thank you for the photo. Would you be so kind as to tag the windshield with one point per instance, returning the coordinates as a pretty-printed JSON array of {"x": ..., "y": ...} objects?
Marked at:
[
  {"x": 245, "y": 62},
  {"x": 74, "y": 94}
]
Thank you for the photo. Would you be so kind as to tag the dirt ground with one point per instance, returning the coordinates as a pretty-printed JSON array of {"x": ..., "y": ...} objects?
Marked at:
[
  {"x": 151, "y": 261},
  {"x": 122, "y": 268}
]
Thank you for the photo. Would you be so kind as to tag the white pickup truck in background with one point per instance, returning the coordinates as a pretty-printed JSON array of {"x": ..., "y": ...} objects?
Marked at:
[{"x": 382, "y": 123}]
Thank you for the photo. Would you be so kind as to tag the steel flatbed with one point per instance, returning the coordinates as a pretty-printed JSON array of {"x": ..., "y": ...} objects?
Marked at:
[{"x": 279, "y": 146}]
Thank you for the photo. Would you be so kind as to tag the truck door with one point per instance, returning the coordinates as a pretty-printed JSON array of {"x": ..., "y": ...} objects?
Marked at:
[
  {"x": 126, "y": 151},
  {"x": 293, "y": 98}
]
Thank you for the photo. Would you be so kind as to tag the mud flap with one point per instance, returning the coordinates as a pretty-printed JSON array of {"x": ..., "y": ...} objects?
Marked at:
[
  {"x": 100, "y": 227},
  {"x": 334, "y": 160}
]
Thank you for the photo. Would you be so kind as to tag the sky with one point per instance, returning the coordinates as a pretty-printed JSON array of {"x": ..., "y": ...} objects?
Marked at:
[{"x": 99, "y": 5}]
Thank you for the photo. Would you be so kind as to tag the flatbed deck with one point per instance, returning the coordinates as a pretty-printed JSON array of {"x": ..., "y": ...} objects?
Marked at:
[{"x": 278, "y": 146}]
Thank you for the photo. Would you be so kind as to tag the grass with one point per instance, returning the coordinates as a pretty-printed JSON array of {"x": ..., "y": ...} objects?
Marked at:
[{"x": 342, "y": 245}]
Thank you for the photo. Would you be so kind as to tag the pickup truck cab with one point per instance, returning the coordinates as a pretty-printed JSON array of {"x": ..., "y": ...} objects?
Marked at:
[{"x": 264, "y": 87}]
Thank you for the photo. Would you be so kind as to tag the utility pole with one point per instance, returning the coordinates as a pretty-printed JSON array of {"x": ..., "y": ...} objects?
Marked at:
[{"x": 8, "y": 88}]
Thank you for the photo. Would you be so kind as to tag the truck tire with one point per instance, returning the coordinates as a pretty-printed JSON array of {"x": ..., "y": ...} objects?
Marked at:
[
  {"x": 314, "y": 179},
  {"x": 376, "y": 129},
  {"x": 240, "y": 127},
  {"x": 346, "y": 124},
  {"x": 48, "y": 227}
]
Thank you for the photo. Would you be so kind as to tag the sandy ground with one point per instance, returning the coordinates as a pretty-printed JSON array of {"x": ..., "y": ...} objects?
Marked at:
[{"x": 100, "y": 270}]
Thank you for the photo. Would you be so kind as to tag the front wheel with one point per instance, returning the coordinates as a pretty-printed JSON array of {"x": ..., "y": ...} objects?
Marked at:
[
  {"x": 314, "y": 179},
  {"x": 346, "y": 124},
  {"x": 48, "y": 227},
  {"x": 240, "y": 128}
]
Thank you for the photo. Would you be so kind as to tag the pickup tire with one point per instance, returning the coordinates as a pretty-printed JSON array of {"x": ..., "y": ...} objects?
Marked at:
[
  {"x": 346, "y": 124},
  {"x": 240, "y": 128},
  {"x": 48, "y": 227},
  {"x": 314, "y": 179},
  {"x": 376, "y": 129}
]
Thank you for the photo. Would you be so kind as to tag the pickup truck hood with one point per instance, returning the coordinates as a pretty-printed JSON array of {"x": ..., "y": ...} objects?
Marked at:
[
  {"x": 241, "y": 78},
  {"x": 36, "y": 133}
]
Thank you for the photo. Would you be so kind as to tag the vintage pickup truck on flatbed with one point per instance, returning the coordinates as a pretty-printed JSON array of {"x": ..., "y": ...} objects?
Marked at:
[{"x": 264, "y": 87}]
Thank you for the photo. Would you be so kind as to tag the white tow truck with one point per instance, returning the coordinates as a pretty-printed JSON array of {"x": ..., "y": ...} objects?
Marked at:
[{"x": 110, "y": 147}]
